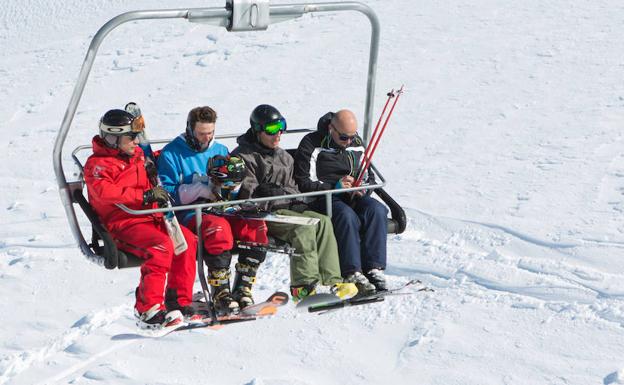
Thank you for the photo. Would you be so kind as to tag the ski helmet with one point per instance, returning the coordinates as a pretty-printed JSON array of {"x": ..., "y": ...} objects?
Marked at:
[
  {"x": 268, "y": 119},
  {"x": 116, "y": 123},
  {"x": 227, "y": 169}
]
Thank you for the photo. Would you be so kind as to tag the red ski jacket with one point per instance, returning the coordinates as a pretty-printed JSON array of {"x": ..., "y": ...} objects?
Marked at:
[{"x": 112, "y": 178}]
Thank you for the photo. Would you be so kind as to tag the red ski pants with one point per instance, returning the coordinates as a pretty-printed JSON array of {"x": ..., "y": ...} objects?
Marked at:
[
  {"x": 151, "y": 242},
  {"x": 219, "y": 233}
]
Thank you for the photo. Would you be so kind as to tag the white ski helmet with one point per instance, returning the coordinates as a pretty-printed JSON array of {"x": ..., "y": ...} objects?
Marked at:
[{"x": 116, "y": 123}]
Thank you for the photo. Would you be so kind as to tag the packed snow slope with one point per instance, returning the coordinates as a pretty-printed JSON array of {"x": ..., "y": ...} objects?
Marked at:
[{"x": 506, "y": 152}]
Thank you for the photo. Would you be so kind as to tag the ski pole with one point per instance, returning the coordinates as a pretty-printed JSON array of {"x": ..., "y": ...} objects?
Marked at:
[
  {"x": 383, "y": 111},
  {"x": 367, "y": 161},
  {"x": 374, "y": 136}
]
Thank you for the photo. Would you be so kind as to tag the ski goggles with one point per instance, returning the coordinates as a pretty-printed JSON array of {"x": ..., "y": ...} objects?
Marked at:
[
  {"x": 275, "y": 127},
  {"x": 132, "y": 129},
  {"x": 133, "y": 134}
]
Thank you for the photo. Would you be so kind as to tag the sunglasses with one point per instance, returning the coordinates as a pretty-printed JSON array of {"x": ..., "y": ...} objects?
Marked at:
[
  {"x": 275, "y": 127},
  {"x": 341, "y": 136},
  {"x": 132, "y": 135}
]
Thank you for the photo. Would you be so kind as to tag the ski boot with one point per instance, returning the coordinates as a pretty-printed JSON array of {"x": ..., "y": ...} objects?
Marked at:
[
  {"x": 377, "y": 278},
  {"x": 224, "y": 303},
  {"x": 344, "y": 290},
  {"x": 246, "y": 269},
  {"x": 157, "y": 318},
  {"x": 191, "y": 315},
  {"x": 300, "y": 292},
  {"x": 363, "y": 285}
]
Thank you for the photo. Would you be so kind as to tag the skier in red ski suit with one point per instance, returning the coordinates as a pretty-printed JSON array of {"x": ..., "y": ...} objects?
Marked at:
[{"x": 115, "y": 173}]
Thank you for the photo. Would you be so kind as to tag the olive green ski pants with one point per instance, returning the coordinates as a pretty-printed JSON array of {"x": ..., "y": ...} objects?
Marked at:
[{"x": 315, "y": 246}]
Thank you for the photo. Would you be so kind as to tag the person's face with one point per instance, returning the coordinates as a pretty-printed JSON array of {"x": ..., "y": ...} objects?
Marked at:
[
  {"x": 342, "y": 134},
  {"x": 270, "y": 141},
  {"x": 127, "y": 144},
  {"x": 204, "y": 132}
]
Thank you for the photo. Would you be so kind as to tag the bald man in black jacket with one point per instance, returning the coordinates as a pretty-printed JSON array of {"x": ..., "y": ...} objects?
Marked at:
[{"x": 330, "y": 158}]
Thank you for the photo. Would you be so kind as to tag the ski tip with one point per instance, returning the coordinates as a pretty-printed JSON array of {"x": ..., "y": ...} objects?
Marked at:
[
  {"x": 316, "y": 299},
  {"x": 278, "y": 298},
  {"x": 265, "y": 311}
]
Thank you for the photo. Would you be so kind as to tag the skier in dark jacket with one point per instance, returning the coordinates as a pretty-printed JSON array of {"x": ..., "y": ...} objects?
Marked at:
[
  {"x": 329, "y": 159},
  {"x": 269, "y": 172},
  {"x": 115, "y": 173}
]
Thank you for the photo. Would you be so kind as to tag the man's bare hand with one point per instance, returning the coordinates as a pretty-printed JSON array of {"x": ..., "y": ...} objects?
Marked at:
[{"x": 347, "y": 181}]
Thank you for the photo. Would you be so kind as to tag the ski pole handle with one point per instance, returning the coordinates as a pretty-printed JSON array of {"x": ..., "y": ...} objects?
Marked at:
[
  {"x": 368, "y": 159},
  {"x": 374, "y": 134}
]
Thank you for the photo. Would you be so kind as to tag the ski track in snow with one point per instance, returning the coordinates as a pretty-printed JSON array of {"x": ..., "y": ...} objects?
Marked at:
[
  {"x": 13, "y": 365},
  {"x": 610, "y": 195},
  {"x": 557, "y": 282}
]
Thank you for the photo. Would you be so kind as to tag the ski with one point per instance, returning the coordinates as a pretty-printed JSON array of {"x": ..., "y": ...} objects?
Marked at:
[
  {"x": 250, "y": 313},
  {"x": 267, "y": 307},
  {"x": 282, "y": 249},
  {"x": 328, "y": 302},
  {"x": 268, "y": 217}
]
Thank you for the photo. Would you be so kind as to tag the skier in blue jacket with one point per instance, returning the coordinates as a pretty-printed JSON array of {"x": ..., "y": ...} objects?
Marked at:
[{"x": 183, "y": 169}]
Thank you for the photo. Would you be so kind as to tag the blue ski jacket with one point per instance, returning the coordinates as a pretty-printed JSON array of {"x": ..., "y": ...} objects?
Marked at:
[{"x": 178, "y": 162}]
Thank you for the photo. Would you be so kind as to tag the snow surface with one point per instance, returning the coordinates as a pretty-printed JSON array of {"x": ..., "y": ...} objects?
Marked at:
[{"x": 506, "y": 152}]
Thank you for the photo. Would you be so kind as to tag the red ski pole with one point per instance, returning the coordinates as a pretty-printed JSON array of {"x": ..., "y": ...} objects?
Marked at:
[
  {"x": 374, "y": 135},
  {"x": 373, "y": 146}
]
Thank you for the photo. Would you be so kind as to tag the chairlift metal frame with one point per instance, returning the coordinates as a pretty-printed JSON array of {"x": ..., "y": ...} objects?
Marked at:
[{"x": 237, "y": 15}]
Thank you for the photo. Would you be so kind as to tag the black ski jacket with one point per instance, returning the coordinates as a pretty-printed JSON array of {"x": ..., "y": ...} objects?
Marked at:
[
  {"x": 269, "y": 172},
  {"x": 320, "y": 162}
]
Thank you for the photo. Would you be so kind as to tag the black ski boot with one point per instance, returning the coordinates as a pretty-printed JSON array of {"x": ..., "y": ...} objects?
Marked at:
[
  {"x": 219, "y": 281},
  {"x": 191, "y": 314},
  {"x": 246, "y": 269},
  {"x": 224, "y": 303},
  {"x": 377, "y": 278}
]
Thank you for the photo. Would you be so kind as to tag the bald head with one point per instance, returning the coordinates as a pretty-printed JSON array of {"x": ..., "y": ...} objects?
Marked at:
[
  {"x": 345, "y": 121},
  {"x": 343, "y": 127}
]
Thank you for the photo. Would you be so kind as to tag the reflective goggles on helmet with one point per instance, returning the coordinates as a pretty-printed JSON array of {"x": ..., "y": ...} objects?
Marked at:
[
  {"x": 132, "y": 130},
  {"x": 132, "y": 135},
  {"x": 273, "y": 128}
]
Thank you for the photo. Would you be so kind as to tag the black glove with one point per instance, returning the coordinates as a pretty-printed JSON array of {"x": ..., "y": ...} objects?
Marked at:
[
  {"x": 268, "y": 190},
  {"x": 158, "y": 195}
]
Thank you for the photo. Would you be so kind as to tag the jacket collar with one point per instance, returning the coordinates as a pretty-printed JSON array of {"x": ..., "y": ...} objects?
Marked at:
[
  {"x": 101, "y": 149},
  {"x": 250, "y": 139}
]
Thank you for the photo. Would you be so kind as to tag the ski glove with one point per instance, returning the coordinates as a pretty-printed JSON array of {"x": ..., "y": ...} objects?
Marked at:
[
  {"x": 268, "y": 190},
  {"x": 189, "y": 193},
  {"x": 152, "y": 171},
  {"x": 156, "y": 194}
]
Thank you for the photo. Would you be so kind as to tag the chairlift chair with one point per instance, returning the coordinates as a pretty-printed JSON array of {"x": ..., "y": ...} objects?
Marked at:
[{"x": 237, "y": 15}]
